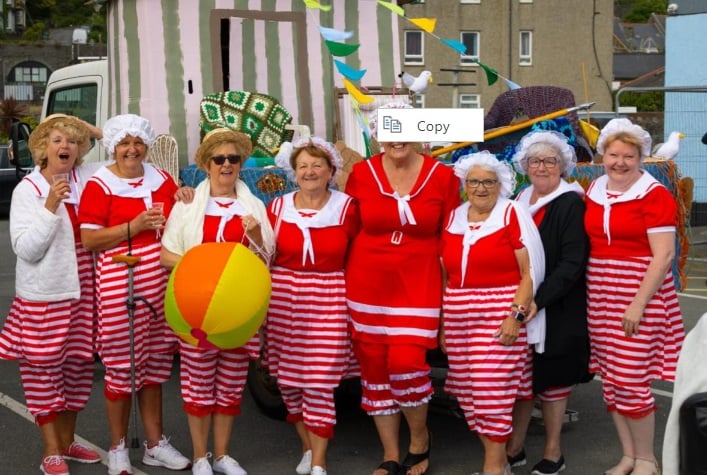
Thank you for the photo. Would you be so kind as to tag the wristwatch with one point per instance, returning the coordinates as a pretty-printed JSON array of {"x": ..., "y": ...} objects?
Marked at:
[{"x": 518, "y": 315}]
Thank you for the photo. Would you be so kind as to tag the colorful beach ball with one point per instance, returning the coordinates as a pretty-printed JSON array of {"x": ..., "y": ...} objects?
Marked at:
[{"x": 217, "y": 295}]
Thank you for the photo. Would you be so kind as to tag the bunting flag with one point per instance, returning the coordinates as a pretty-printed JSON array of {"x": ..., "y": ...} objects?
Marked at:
[
  {"x": 315, "y": 4},
  {"x": 334, "y": 35},
  {"x": 427, "y": 24},
  {"x": 355, "y": 94},
  {"x": 340, "y": 49},
  {"x": 348, "y": 72},
  {"x": 491, "y": 74},
  {"x": 511, "y": 85}
]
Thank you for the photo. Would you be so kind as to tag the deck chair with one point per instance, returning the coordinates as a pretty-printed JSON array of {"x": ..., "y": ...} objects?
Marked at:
[
  {"x": 529, "y": 102},
  {"x": 259, "y": 115},
  {"x": 164, "y": 154}
]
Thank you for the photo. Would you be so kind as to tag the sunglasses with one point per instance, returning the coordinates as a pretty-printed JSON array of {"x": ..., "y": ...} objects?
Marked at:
[{"x": 221, "y": 159}]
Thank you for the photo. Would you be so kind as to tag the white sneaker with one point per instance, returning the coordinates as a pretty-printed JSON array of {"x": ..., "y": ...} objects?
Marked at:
[
  {"x": 228, "y": 465},
  {"x": 165, "y": 455},
  {"x": 305, "y": 465},
  {"x": 119, "y": 460},
  {"x": 317, "y": 470},
  {"x": 202, "y": 466}
]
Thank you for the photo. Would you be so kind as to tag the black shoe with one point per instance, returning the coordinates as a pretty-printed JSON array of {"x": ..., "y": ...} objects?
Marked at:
[
  {"x": 548, "y": 467},
  {"x": 413, "y": 459},
  {"x": 517, "y": 460}
]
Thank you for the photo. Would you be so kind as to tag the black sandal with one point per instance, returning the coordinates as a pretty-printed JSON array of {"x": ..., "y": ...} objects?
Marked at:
[
  {"x": 392, "y": 467},
  {"x": 413, "y": 459}
]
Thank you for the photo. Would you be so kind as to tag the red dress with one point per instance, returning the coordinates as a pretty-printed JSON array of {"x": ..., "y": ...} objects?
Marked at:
[
  {"x": 307, "y": 318},
  {"x": 393, "y": 275},
  {"x": 618, "y": 228},
  {"x": 109, "y": 201}
]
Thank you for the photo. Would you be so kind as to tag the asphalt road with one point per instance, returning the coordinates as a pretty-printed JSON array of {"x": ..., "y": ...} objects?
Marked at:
[{"x": 266, "y": 446}]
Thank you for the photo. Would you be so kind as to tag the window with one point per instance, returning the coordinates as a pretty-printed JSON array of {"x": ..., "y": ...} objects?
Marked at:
[
  {"x": 414, "y": 47},
  {"x": 419, "y": 101},
  {"x": 470, "y": 39},
  {"x": 525, "y": 48},
  {"x": 30, "y": 71},
  {"x": 525, "y": 1},
  {"x": 471, "y": 1},
  {"x": 469, "y": 101}
]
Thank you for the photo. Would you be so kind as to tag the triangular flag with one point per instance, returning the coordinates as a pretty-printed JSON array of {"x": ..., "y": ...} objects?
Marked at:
[
  {"x": 511, "y": 85},
  {"x": 427, "y": 24},
  {"x": 315, "y": 4},
  {"x": 454, "y": 44},
  {"x": 340, "y": 49},
  {"x": 334, "y": 35},
  {"x": 392, "y": 7},
  {"x": 358, "y": 96},
  {"x": 348, "y": 72},
  {"x": 491, "y": 74}
]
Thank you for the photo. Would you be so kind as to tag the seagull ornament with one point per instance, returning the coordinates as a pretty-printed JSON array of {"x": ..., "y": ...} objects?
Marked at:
[
  {"x": 669, "y": 149},
  {"x": 417, "y": 85}
]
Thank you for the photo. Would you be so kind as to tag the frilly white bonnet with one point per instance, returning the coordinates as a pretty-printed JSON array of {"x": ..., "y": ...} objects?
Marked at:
[
  {"x": 117, "y": 128},
  {"x": 485, "y": 159},
  {"x": 552, "y": 138},
  {"x": 616, "y": 126},
  {"x": 282, "y": 159},
  {"x": 373, "y": 120}
]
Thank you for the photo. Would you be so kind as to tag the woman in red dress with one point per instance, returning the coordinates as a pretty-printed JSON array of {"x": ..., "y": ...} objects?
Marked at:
[
  {"x": 394, "y": 291},
  {"x": 117, "y": 217},
  {"x": 494, "y": 261},
  {"x": 635, "y": 324},
  {"x": 308, "y": 344}
]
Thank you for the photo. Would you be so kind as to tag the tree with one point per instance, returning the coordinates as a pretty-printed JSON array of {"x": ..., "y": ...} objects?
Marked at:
[{"x": 639, "y": 11}]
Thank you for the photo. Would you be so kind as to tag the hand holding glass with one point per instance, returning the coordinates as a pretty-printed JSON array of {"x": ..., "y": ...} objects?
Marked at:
[{"x": 157, "y": 213}]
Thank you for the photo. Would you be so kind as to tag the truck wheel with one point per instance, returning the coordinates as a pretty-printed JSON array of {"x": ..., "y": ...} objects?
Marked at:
[{"x": 265, "y": 392}]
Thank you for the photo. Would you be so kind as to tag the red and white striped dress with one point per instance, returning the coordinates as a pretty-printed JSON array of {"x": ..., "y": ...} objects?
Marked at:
[
  {"x": 618, "y": 228},
  {"x": 308, "y": 344},
  {"x": 211, "y": 379},
  {"x": 109, "y": 201},
  {"x": 484, "y": 375},
  {"x": 54, "y": 340}
]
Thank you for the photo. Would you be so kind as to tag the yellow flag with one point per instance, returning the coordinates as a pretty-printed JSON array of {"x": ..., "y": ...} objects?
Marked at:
[
  {"x": 427, "y": 24},
  {"x": 315, "y": 4},
  {"x": 392, "y": 7},
  {"x": 356, "y": 94}
]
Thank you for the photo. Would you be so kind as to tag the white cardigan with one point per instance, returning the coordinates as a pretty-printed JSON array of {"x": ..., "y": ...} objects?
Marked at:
[{"x": 46, "y": 268}]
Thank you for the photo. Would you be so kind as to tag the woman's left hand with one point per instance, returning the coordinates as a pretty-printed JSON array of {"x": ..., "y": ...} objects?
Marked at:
[{"x": 508, "y": 332}]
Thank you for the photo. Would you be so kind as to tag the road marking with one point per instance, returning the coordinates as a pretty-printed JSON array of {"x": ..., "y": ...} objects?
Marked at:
[
  {"x": 701, "y": 297},
  {"x": 22, "y": 411}
]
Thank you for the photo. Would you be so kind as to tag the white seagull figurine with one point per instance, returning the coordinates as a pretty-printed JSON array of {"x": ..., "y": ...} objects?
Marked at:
[
  {"x": 418, "y": 84},
  {"x": 669, "y": 149}
]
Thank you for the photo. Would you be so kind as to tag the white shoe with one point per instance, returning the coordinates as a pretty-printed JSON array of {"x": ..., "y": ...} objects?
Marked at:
[
  {"x": 119, "y": 460},
  {"x": 305, "y": 465},
  {"x": 165, "y": 455},
  {"x": 228, "y": 465},
  {"x": 201, "y": 466},
  {"x": 317, "y": 470}
]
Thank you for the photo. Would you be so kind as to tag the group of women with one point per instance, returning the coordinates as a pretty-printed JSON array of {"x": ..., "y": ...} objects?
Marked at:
[{"x": 527, "y": 296}]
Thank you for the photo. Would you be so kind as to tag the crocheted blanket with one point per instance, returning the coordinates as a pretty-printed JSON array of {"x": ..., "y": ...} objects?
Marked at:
[{"x": 259, "y": 115}]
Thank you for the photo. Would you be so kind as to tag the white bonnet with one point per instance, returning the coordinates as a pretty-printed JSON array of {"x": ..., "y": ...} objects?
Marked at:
[
  {"x": 373, "y": 120},
  {"x": 282, "y": 159},
  {"x": 617, "y": 126},
  {"x": 117, "y": 128},
  {"x": 554, "y": 139},
  {"x": 485, "y": 159}
]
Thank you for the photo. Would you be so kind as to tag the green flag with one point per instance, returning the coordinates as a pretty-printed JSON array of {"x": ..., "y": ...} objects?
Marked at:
[{"x": 491, "y": 74}]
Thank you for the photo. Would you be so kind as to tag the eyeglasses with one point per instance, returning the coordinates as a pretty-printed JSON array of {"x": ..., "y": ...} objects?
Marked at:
[
  {"x": 549, "y": 162},
  {"x": 221, "y": 159},
  {"x": 474, "y": 183}
]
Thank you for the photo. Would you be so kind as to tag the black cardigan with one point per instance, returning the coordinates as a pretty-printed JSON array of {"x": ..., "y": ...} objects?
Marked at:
[{"x": 563, "y": 294}]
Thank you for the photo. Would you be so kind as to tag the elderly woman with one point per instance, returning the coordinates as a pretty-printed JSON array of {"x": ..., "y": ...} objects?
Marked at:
[
  {"x": 49, "y": 329},
  {"x": 403, "y": 198},
  {"x": 223, "y": 210},
  {"x": 308, "y": 346},
  {"x": 557, "y": 208},
  {"x": 635, "y": 324},
  {"x": 118, "y": 217},
  {"x": 493, "y": 258}
]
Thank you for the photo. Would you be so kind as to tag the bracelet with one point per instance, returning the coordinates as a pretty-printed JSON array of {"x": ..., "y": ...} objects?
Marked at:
[{"x": 520, "y": 308}]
